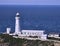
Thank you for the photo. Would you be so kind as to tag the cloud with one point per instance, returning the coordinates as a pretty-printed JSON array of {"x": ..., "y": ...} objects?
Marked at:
[{"x": 31, "y": 2}]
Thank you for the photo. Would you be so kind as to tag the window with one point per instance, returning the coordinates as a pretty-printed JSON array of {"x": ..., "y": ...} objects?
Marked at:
[
  {"x": 28, "y": 33},
  {"x": 33, "y": 33},
  {"x": 24, "y": 32}
]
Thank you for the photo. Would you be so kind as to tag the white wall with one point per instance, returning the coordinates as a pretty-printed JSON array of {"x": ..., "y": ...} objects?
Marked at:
[
  {"x": 33, "y": 32},
  {"x": 8, "y": 30},
  {"x": 44, "y": 36}
]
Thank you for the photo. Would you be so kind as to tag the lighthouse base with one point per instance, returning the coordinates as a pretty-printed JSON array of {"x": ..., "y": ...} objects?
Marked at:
[{"x": 19, "y": 33}]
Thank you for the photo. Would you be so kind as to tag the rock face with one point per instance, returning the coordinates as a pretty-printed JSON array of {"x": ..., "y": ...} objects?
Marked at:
[
  {"x": 4, "y": 44},
  {"x": 24, "y": 42},
  {"x": 37, "y": 43},
  {"x": 56, "y": 43}
]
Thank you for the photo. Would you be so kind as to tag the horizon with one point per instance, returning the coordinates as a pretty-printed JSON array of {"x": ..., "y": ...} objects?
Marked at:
[{"x": 29, "y": 2}]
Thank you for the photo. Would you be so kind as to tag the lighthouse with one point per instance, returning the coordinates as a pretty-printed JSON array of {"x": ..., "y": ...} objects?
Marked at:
[{"x": 17, "y": 23}]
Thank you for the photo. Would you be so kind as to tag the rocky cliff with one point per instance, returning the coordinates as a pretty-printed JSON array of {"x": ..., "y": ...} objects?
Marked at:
[{"x": 24, "y": 42}]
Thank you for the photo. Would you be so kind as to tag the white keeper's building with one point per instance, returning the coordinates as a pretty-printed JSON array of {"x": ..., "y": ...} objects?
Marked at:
[{"x": 26, "y": 33}]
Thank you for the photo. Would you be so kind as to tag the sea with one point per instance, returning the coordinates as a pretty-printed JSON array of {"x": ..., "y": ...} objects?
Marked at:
[{"x": 32, "y": 17}]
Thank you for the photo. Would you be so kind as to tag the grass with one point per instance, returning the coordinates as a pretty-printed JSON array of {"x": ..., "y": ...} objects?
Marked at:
[{"x": 20, "y": 42}]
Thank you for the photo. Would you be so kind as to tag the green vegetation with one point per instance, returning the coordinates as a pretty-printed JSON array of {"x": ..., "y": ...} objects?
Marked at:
[
  {"x": 11, "y": 40},
  {"x": 23, "y": 42}
]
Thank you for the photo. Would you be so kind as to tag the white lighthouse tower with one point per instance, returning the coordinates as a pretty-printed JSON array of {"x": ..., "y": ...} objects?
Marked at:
[{"x": 17, "y": 24}]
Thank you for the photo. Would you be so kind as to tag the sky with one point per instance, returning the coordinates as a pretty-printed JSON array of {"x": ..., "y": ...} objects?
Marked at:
[{"x": 29, "y": 2}]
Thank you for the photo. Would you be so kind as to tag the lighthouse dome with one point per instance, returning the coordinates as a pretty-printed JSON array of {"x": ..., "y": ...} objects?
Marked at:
[{"x": 17, "y": 14}]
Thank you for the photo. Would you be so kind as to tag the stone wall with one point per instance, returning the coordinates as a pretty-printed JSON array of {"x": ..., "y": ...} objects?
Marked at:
[{"x": 56, "y": 43}]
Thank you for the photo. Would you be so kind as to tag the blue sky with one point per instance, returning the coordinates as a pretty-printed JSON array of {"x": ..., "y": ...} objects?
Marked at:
[{"x": 29, "y": 2}]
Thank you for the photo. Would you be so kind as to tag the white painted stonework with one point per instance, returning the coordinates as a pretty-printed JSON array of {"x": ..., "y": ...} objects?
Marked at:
[
  {"x": 8, "y": 30},
  {"x": 26, "y": 33},
  {"x": 32, "y": 32},
  {"x": 17, "y": 23}
]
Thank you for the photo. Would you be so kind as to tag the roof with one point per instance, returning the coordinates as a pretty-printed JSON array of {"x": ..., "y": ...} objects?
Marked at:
[
  {"x": 33, "y": 30},
  {"x": 17, "y": 14},
  {"x": 53, "y": 33}
]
